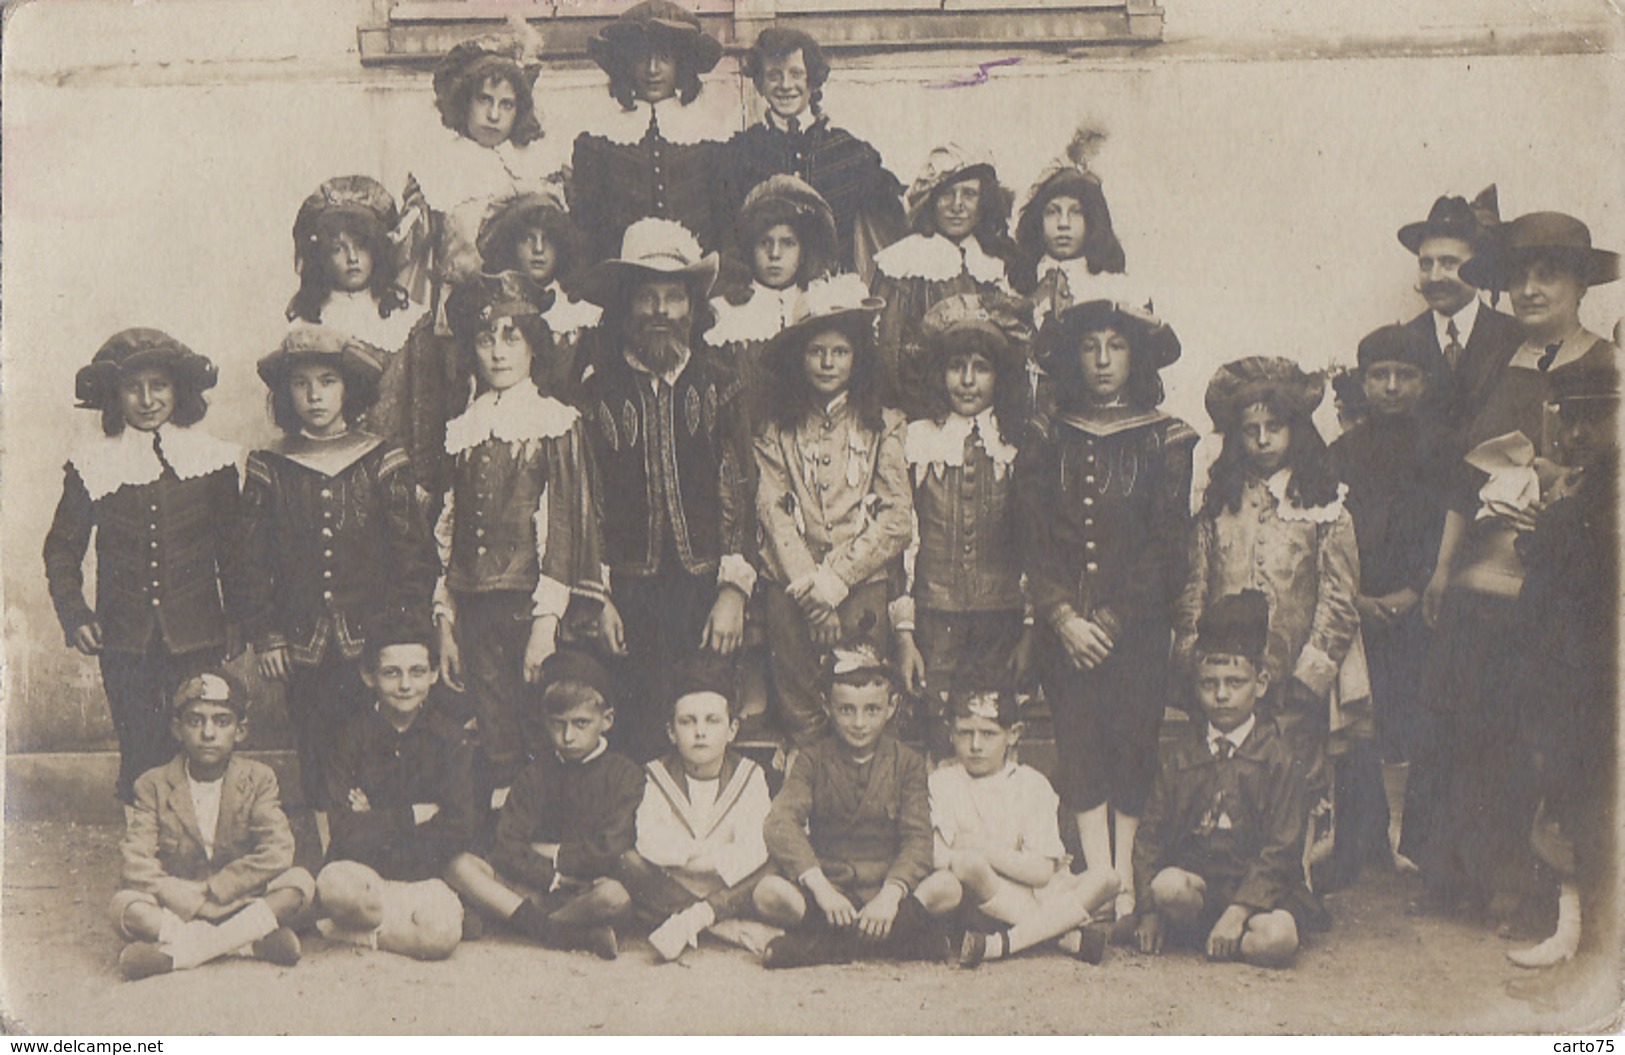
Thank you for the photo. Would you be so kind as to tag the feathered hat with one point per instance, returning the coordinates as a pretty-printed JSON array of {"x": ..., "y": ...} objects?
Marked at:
[{"x": 839, "y": 302}]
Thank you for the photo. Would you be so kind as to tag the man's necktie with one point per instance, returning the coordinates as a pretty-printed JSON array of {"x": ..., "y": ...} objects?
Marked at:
[
  {"x": 1452, "y": 351},
  {"x": 1550, "y": 356},
  {"x": 1223, "y": 748}
]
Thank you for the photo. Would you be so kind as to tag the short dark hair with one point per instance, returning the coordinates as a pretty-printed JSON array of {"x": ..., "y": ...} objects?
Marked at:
[
  {"x": 562, "y": 234},
  {"x": 360, "y": 393},
  {"x": 527, "y": 127},
  {"x": 623, "y": 85},
  {"x": 190, "y": 406},
  {"x": 537, "y": 334},
  {"x": 861, "y": 679},
  {"x": 398, "y": 632},
  {"x": 775, "y": 42}
]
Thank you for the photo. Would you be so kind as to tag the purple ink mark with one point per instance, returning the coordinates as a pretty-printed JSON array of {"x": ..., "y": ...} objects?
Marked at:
[{"x": 979, "y": 77}]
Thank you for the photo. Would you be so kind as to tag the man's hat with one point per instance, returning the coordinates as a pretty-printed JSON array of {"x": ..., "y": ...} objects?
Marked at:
[
  {"x": 580, "y": 666},
  {"x": 360, "y": 197},
  {"x": 1237, "y": 624},
  {"x": 700, "y": 673},
  {"x": 652, "y": 248},
  {"x": 1454, "y": 217},
  {"x": 216, "y": 685},
  {"x": 479, "y": 299},
  {"x": 1146, "y": 333},
  {"x": 511, "y": 216},
  {"x": 96, "y": 384},
  {"x": 657, "y": 22},
  {"x": 1399, "y": 344},
  {"x": 839, "y": 302},
  {"x": 306, "y": 341},
  {"x": 1541, "y": 233},
  {"x": 946, "y": 164},
  {"x": 1238, "y": 385}
]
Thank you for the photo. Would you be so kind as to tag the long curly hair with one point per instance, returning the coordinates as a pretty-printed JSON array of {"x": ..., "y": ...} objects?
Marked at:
[
  {"x": 527, "y": 127},
  {"x": 1009, "y": 378},
  {"x": 992, "y": 216},
  {"x": 623, "y": 83},
  {"x": 1063, "y": 363},
  {"x": 775, "y": 42},
  {"x": 1101, "y": 248},
  {"x": 562, "y": 233},
  {"x": 315, "y": 282},
  {"x": 1314, "y": 477},
  {"x": 791, "y": 399}
]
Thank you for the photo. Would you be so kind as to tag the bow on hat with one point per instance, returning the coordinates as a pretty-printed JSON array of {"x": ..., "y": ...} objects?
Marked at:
[
  {"x": 359, "y": 196},
  {"x": 519, "y": 48}
]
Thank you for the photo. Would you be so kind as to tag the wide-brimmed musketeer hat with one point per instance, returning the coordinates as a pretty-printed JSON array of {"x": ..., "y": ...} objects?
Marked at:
[
  {"x": 1147, "y": 334},
  {"x": 841, "y": 302},
  {"x": 96, "y": 384},
  {"x": 1541, "y": 233},
  {"x": 658, "y": 22},
  {"x": 652, "y": 248},
  {"x": 946, "y": 164},
  {"x": 308, "y": 341}
]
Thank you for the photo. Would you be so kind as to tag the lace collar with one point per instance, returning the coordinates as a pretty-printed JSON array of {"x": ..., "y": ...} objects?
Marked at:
[
  {"x": 938, "y": 447},
  {"x": 328, "y": 456},
  {"x": 357, "y": 315},
  {"x": 520, "y": 414},
  {"x": 936, "y": 259},
  {"x": 679, "y": 124},
  {"x": 107, "y": 463},
  {"x": 761, "y": 318},
  {"x": 568, "y": 317},
  {"x": 459, "y": 170},
  {"x": 1288, "y": 510}
]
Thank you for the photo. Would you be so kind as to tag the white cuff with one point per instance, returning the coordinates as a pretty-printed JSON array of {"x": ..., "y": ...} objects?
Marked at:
[
  {"x": 829, "y": 586},
  {"x": 1316, "y": 670},
  {"x": 902, "y": 613},
  {"x": 734, "y": 570},
  {"x": 550, "y": 597},
  {"x": 445, "y": 606}
]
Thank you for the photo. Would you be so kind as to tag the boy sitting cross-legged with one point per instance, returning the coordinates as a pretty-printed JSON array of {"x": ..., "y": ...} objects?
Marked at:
[
  {"x": 852, "y": 829},
  {"x": 1219, "y": 853},
  {"x": 699, "y": 850},
  {"x": 566, "y": 824},
  {"x": 400, "y": 787},
  {"x": 208, "y": 855},
  {"x": 997, "y": 837}
]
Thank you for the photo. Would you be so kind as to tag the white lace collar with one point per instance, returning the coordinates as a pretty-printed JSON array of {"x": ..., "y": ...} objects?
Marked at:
[
  {"x": 936, "y": 259},
  {"x": 1289, "y": 510},
  {"x": 568, "y": 317},
  {"x": 761, "y": 318},
  {"x": 458, "y": 170},
  {"x": 107, "y": 463},
  {"x": 679, "y": 124},
  {"x": 356, "y": 314},
  {"x": 520, "y": 414},
  {"x": 937, "y": 447}
]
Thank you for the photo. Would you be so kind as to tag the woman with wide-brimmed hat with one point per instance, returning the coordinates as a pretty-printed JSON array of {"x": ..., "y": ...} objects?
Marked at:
[
  {"x": 833, "y": 499},
  {"x": 161, "y": 498},
  {"x": 333, "y": 538},
  {"x": 1103, "y": 505},
  {"x": 959, "y": 213},
  {"x": 785, "y": 240},
  {"x": 656, "y": 153},
  {"x": 1469, "y": 804},
  {"x": 789, "y": 69}
]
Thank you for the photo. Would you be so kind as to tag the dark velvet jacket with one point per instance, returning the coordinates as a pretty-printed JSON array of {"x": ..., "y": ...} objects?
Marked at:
[{"x": 588, "y": 808}]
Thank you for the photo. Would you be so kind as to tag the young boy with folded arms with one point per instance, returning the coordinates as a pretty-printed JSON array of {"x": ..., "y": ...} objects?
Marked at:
[
  {"x": 400, "y": 786},
  {"x": 1219, "y": 853},
  {"x": 208, "y": 855},
  {"x": 997, "y": 837},
  {"x": 699, "y": 852},
  {"x": 567, "y": 822},
  {"x": 851, "y": 832}
]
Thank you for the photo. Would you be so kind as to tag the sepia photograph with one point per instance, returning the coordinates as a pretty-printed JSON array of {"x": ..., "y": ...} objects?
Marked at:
[{"x": 805, "y": 517}]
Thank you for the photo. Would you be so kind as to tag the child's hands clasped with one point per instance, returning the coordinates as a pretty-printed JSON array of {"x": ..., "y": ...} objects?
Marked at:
[{"x": 1086, "y": 643}]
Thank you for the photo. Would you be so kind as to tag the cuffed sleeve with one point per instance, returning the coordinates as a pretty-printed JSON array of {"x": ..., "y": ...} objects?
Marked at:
[{"x": 65, "y": 546}]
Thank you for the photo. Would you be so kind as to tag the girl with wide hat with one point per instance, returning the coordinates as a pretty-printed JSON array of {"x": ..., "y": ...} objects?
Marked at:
[
  {"x": 1103, "y": 493},
  {"x": 657, "y": 150},
  {"x": 161, "y": 498},
  {"x": 958, "y": 211},
  {"x": 334, "y": 538},
  {"x": 1469, "y": 802},
  {"x": 833, "y": 498}
]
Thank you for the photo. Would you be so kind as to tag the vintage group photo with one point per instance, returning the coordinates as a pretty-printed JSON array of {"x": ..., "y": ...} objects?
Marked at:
[{"x": 686, "y": 516}]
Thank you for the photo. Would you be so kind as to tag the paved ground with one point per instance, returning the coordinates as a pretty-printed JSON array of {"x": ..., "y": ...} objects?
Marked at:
[{"x": 1382, "y": 969}]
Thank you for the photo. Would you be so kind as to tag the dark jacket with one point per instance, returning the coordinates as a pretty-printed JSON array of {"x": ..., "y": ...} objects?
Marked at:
[
  {"x": 167, "y": 560},
  {"x": 862, "y": 825},
  {"x": 1259, "y": 853},
  {"x": 677, "y": 462},
  {"x": 1453, "y": 395},
  {"x": 615, "y": 184},
  {"x": 326, "y": 553},
  {"x": 588, "y": 808},
  {"x": 1104, "y": 509},
  {"x": 429, "y": 763},
  {"x": 848, "y": 172},
  {"x": 1395, "y": 496}
]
